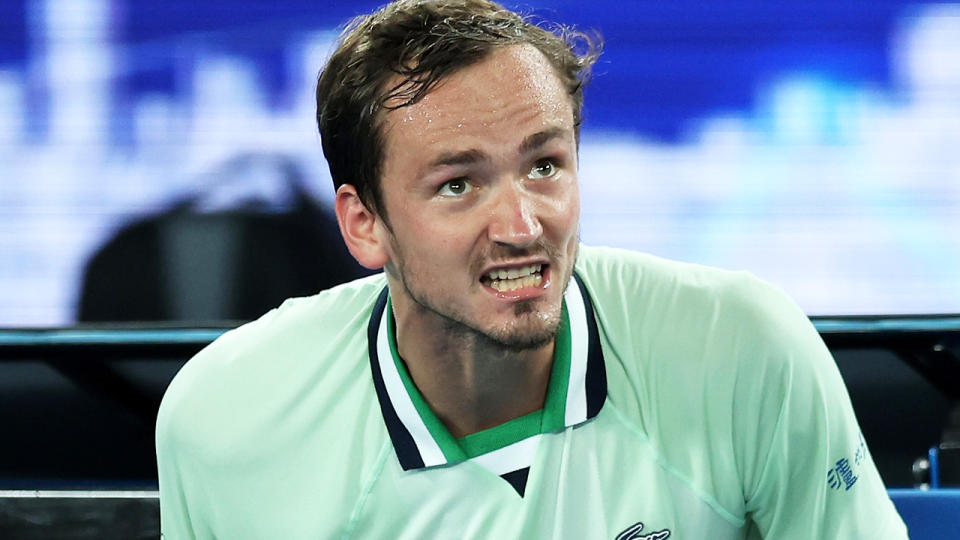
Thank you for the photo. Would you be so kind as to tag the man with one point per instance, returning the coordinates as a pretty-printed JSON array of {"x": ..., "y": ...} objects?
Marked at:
[{"x": 499, "y": 380}]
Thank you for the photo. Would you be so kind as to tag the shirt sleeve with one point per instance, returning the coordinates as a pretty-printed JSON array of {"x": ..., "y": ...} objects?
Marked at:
[
  {"x": 181, "y": 500},
  {"x": 812, "y": 475}
]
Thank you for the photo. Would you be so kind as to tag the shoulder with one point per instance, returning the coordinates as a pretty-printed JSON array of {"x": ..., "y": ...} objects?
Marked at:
[
  {"x": 681, "y": 339},
  {"x": 613, "y": 271},
  {"x": 641, "y": 292},
  {"x": 703, "y": 361},
  {"x": 684, "y": 328},
  {"x": 235, "y": 386}
]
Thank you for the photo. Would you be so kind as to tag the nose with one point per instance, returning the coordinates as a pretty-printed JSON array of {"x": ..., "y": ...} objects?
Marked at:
[{"x": 514, "y": 219}]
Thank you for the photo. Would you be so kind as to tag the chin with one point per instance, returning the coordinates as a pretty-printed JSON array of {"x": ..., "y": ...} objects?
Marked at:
[
  {"x": 532, "y": 331},
  {"x": 520, "y": 342}
]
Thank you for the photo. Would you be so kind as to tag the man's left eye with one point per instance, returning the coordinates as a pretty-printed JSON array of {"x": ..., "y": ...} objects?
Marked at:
[
  {"x": 455, "y": 188},
  {"x": 544, "y": 168}
]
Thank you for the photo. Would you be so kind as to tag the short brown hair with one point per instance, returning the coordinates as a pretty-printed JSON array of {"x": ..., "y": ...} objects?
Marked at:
[{"x": 421, "y": 42}]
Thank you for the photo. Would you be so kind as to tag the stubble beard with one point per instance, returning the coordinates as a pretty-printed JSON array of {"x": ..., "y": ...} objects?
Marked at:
[{"x": 531, "y": 328}]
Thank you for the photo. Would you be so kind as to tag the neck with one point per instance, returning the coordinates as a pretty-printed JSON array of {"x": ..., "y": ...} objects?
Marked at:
[{"x": 471, "y": 383}]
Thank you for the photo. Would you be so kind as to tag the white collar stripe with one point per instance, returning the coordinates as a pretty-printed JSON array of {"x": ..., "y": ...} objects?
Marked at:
[
  {"x": 413, "y": 442},
  {"x": 576, "y": 407},
  {"x": 430, "y": 452},
  {"x": 510, "y": 458}
]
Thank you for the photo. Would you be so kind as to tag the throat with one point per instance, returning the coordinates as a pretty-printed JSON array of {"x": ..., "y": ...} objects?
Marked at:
[{"x": 470, "y": 392}]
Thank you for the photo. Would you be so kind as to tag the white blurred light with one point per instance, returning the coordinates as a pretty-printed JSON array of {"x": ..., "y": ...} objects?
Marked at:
[{"x": 848, "y": 197}]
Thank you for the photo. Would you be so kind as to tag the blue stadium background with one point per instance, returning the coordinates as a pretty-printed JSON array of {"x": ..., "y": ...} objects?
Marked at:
[{"x": 811, "y": 143}]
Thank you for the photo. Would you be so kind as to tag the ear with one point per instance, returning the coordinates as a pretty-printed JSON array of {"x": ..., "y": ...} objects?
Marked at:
[{"x": 358, "y": 226}]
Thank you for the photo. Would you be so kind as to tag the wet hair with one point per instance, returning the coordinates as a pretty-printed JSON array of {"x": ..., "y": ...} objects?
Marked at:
[{"x": 393, "y": 57}]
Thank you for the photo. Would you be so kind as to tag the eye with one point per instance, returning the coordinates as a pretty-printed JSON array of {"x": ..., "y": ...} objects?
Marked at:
[
  {"x": 544, "y": 168},
  {"x": 455, "y": 188}
]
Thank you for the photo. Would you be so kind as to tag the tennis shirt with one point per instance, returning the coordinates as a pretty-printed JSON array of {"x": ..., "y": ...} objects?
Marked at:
[{"x": 684, "y": 402}]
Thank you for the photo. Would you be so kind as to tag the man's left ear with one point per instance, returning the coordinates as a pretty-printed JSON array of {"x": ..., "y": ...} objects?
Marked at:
[{"x": 358, "y": 226}]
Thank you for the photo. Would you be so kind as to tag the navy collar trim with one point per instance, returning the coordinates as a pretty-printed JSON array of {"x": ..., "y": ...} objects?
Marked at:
[{"x": 415, "y": 447}]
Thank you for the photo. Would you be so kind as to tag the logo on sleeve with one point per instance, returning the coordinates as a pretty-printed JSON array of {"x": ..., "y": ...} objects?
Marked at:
[
  {"x": 843, "y": 473},
  {"x": 633, "y": 532}
]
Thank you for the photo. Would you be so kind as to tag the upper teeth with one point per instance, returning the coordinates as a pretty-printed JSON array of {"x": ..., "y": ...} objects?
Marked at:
[{"x": 514, "y": 273}]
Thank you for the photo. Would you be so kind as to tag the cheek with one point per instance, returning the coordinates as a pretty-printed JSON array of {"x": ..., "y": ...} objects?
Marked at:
[
  {"x": 565, "y": 207},
  {"x": 573, "y": 203},
  {"x": 434, "y": 240}
]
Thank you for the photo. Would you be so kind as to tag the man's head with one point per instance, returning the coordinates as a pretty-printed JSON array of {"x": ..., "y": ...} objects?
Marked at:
[
  {"x": 390, "y": 59},
  {"x": 468, "y": 141}
]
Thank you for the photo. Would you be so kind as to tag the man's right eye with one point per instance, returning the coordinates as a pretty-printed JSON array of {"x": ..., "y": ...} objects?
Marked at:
[{"x": 455, "y": 188}]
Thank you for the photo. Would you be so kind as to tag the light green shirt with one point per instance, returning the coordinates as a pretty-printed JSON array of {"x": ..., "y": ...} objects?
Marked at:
[{"x": 684, "y": 402}]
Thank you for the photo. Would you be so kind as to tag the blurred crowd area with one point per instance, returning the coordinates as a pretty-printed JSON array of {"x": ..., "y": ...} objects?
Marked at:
[{"x": 153, "y": 157}]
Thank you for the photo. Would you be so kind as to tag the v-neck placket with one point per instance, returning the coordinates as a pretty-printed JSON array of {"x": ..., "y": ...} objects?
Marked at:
[{"x": 575, "y": 393}]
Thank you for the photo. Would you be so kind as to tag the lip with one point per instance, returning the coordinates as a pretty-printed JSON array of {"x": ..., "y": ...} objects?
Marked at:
[{"x": 525, "y": 293}]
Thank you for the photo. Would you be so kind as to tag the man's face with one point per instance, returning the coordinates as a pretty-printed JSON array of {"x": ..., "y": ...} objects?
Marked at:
[{"x": 480, "y": 188}]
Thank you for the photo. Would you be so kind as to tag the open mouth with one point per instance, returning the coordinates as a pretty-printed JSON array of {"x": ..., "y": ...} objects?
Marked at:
[{"x": 511, "y": 279}]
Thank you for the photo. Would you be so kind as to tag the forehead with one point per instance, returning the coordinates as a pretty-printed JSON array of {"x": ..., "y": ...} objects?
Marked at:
[{"x": 510, "y": 94}]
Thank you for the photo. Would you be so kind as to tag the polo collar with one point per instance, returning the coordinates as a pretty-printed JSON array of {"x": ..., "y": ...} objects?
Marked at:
[{"x": 576, "y": 391}]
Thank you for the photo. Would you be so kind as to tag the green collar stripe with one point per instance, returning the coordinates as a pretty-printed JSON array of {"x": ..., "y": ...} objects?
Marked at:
[
  {"x": 488, "y": 440},
  {"x": 550, "y": 418},
  {"x": 447, "y": 443},
  {"x": 575, "y": 393},
  {"x": 554, "y": 407}
]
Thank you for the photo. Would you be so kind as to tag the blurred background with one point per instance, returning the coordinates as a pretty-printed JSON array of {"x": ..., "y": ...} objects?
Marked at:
[
  {"x": 812, "y": 143},
  {"x": 159, "y": 165}
]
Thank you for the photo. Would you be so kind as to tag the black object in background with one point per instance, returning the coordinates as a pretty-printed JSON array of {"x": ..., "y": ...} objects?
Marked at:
[
  {"x": 949, "y": 449},
  {"x": 219, "y": 255}
]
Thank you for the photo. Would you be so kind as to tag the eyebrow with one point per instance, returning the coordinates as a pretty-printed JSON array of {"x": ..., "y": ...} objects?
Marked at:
[
  {"x": 467, "y": 157},
  {"x": 540, "y": 138}
]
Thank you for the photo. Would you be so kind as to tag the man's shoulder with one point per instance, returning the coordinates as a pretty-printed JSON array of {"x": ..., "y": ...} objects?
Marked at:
[
  {"x": 625, "y": 268},
  {"x": 310, "y": 322},
  {"x": 306, "y": 345},
  {"x": 699, "y": 313},
  {"x": 644, "y": 282}
]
